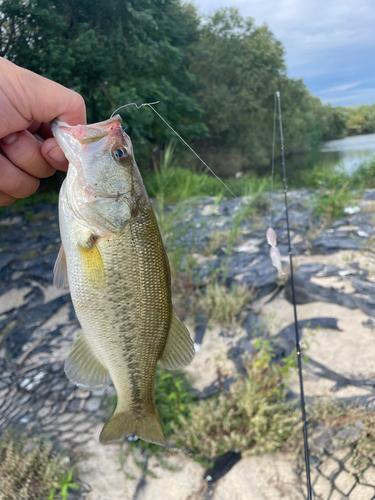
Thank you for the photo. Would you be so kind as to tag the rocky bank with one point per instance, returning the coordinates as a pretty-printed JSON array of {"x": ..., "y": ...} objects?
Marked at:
[{"x": 335, "y": 283}]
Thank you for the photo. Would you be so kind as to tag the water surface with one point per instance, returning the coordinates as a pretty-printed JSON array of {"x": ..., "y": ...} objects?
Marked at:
[{"x": 347, "y": 153}]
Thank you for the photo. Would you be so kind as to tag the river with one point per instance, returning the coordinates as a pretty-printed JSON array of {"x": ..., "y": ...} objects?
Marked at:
[{"x": 347, "y": 153}]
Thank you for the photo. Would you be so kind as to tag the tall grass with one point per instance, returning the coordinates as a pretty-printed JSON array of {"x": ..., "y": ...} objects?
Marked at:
[{"x": 172, "y": 183}]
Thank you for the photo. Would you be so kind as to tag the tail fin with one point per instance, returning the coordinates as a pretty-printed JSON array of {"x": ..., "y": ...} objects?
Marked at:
[{"x": 124, "y": 424}]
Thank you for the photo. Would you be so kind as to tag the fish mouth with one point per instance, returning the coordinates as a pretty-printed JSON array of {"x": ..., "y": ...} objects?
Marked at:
[{"x": 86, "y": 134}]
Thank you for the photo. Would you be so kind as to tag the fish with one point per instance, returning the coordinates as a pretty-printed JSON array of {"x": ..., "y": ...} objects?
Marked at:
[
  {"x": 113, "y": 260},
  {"x": 271, "y": 237},
  {"x": 274, "y": 251},
  {"x": 276, "y": 261}
]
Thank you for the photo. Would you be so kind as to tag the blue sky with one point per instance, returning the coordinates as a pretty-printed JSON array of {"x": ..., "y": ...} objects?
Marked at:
[{"x": 328, "y": 43}]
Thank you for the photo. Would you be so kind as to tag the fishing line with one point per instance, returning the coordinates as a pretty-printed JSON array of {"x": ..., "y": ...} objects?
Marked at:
[
  {"x": 149, "y": 104},
  {"x": 134, "y": 104},
  {"x": 273, "y": 157},
  {"x": 298, "y": 345}
]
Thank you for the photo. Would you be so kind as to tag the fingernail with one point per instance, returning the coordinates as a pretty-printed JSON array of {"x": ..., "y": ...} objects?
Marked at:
[
  {"x": 9, "y": 139},
  {"x": 56, "y": 154}
]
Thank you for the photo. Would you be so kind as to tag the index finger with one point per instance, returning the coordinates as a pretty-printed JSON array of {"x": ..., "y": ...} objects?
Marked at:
[{"x": 28, "y": 97}]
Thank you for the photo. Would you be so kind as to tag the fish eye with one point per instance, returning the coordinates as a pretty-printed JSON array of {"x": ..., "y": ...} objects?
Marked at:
[{"x": 120, "y": 153}]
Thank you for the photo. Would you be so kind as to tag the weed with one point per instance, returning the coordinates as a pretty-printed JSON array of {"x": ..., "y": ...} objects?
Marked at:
[
  {"x": 330, "y": 203},
  {"x": 215, "y": 241},
  {"x": 226, "y": 306},
  {"x": 64, "y": 486},
  {"x": 253, "y": 417},
  {"x": 364, "y": 175},
  {"x": 30, "y": 469}
]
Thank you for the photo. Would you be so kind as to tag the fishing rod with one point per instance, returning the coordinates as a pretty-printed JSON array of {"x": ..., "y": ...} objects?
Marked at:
[{"x": 297, "y": 337}]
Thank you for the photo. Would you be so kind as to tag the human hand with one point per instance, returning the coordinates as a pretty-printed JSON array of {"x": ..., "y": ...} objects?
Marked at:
[{"x": 28, "y": 151}]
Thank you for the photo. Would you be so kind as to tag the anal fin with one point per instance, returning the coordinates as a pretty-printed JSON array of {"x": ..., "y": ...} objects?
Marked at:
[
  {"x": 179, "y": 350},
  {"x": 83, "y": 368}
]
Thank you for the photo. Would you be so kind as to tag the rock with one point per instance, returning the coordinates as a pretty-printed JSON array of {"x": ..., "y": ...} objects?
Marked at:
[
  {"x": 366, "y": 303},
  {"x": 369, "y": 323},
  {"x": 254, "y": 326},
  {"x": 321, "y": 439},
  {"x": 363, "y": 287},
  {"x": 5, "y": 259},
  {"x": 306, "y": 292},
  {"x": 349, "y": 433},
  {"x": 93, "y": 404},
  {"x": 318, "y": 270},
  {"x": 261, "y": 275},
  {"x": 368, "y": 194},
  {"x": 333, "y": 242}
]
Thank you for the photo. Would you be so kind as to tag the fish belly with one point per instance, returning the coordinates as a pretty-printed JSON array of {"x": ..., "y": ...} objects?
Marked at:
[{"x": 121, "y": 293}]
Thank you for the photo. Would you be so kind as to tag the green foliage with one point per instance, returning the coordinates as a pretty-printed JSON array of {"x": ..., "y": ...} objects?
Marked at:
[
  {"x": 215, "y": 79},
  {"x": 170, "y": 183},
  {"x": 112, "y": 53},
  {"x": 64, "y": 486},
  {"x": 360, "y": 119},
  {"x": 31, "y": 470},
  {"x": 330, "y": 204},
  {"x": 253, "y": 417},
  {"x": 325, "y": 178},
  {"x": 238, "y": 69},
  {"x": 364, "y": 176}
]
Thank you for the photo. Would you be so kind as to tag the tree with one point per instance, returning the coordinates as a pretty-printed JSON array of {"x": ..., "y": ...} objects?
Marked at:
[
  {"x": 112, "y": 52},
  {"x": 238, "y": 68}
]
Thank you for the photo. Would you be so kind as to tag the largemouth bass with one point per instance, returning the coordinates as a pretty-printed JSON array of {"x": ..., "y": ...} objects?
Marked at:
[{"x": 113, "y": 259}]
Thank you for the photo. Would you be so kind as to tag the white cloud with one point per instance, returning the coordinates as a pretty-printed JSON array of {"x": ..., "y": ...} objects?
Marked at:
[
  {"x": 306, "y": 26},
  {"x": 341, "y": 88},
  {"x": 360, "y": 96}
]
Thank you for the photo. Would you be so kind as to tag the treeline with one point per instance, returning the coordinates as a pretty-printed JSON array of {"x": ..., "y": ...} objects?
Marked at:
[
  {"x": 215, "y": 80},
  {"x": 360, "y": 119}
]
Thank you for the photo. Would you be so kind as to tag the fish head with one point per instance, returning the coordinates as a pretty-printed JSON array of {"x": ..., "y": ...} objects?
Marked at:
[{"x": 100, "y": 156}]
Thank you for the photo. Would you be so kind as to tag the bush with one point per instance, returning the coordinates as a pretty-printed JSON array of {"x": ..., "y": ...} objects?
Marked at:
[
  {"x": 30, "y": 469},
  {"x": 253, "y": 417}
]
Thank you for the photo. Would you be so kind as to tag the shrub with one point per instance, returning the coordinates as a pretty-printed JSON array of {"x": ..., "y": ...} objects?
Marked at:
[
  {"x": 253, "y": 417},
  {"x": 30, "y": 469}
]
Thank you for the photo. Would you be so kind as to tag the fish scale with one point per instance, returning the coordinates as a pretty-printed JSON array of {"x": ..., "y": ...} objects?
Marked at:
[{"x": 119, "y": 278}]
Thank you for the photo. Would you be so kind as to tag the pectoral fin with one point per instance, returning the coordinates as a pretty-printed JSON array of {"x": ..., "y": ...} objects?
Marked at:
[
  {"x": 83, "y": 368},
  {"x": 179, "y": 350},
  {"x": 60, "y": 271},
  {"x": 93, "y": 266}
]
